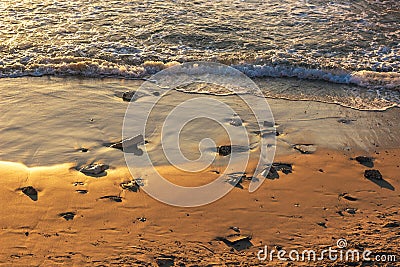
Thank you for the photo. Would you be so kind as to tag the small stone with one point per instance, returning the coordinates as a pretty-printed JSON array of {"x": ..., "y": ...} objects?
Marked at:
[
  {"x": 305, "y": 148},
  {"x": 83, "y": 149},
  {"x": 112, "y": 198},
  {"x": 26, "y": 233},
  {"x": 131, "y": 186},
  {"x": 142, "y": 219},
  {"x": 366, "y": 161},
  {"x": 224, "y": 150},
  {"x": 322, "y": 224},
  {"x": 351, "y": 210},
  {"x": 127, "y": 96},
  {"x": 235, "y": 238},
  {"x": 344, "y": 121},
  {"x": 286, "y": 168},
  {"x": 272, "y": 173},
  {"x": 67, "y": 215},
  {"x": 234, "y": 228},
  {"x": 31, "y": 192},
  {"x": 82, "y": 191},
  {"x": 94, "y": 169},
  {"x": 373, "y": 174},
  {"x": 129, "y": 142},
  {"x": 348, "y": 197},
  {"x": 236, "y": 122}
]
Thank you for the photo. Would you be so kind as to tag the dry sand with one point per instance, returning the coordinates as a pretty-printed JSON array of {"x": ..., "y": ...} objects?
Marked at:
[{"x": 325, "y": 198}]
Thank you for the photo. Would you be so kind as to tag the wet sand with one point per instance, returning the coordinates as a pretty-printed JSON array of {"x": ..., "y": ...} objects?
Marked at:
[{"x": 75, "y": 219}]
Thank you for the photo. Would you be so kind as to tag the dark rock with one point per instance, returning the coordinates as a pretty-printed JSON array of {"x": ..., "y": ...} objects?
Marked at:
[
  {"x": 272, "y": 173},
  {"x": 112, "y": 198},
  {"x": 373, "y": 174},
  {"x": 286, "y": 168},
  {"x": 127, "y": 96},
  {"x": 31, "y": 192},
  {"x": 83, "y": 149},
  {"x": 234, "y": 228},
  {"x": 305, "y": 148},
  {"x": 351, "y": 210},
  {"x": 236, "y": 122},
  {"x": 77, "y": 183},
  {"x": 165, "y": 261},
  {"x": 94, "y": 169},
  {"x": 344, "y": 121},
  {"x": 236, "y": 179},
  {"x": 141, "y": 219},
  {"x": 348, "y": 197},
  {"x": 322, "y": 224},
  {"x": 67, "y": 215},
  {"x": 224, "y": 150},
  {"x": 235, "y": 238},
  {"x": 129, "y": 143},
  {"x": 131, "y": 186},
  {"x": 131, "y": 96},
  {"x": 366, "y": 161},
  {"x": 82, "y": 191}
]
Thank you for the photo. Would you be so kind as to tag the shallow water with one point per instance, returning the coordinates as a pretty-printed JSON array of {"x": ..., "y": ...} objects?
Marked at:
[
  {"x": 48, "y": 120},
  {"x": 348, "y": 42}
]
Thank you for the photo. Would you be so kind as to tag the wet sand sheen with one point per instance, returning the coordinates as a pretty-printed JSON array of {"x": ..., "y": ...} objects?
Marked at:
[{"x": 52, "y": 213}]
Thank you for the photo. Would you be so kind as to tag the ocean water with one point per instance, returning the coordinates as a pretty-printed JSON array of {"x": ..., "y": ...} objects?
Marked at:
[{"x": 350, "y": 49}]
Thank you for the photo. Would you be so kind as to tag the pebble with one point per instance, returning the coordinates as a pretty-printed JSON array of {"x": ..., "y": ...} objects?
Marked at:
[{"x": 94, "y": 169}]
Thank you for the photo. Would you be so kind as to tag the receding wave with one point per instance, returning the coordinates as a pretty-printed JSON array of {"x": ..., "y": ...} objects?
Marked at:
[{"x": 86, "y": 67}]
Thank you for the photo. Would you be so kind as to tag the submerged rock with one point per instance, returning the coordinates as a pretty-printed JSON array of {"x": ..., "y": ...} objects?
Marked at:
[
  {"x": 127, "y": 96},
  {"x": 268, "y": 124},
  {"x": 94, "y": 169},
  {"x": 236, "y": 122},
  {"x": 373, "y": 174}
]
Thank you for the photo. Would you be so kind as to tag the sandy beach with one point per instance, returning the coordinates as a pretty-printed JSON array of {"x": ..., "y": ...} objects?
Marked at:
[{"x": 52, "y": 214}]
